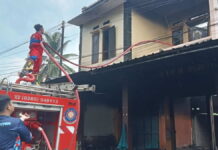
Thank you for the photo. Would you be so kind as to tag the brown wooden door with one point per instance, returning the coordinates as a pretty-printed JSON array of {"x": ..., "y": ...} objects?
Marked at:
[{"x": 167, "y": 129}]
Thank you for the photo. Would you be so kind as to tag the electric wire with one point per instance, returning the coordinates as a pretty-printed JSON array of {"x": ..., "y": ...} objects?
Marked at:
[
  {"x": 10, "y": 69},
  {"x": 24, "y": 50},
  {"x": 9, "y": 66},
  {"x": 75, "y": 90},
  {"x": 10, "y": 49},
  {"x": 23, "y": 43},
  {"x": 143, "y": 47},
  {"x": 9, "y": 73},
  {"x": 67, "y": 24},
  {"x": 55, "y": 27},
  {"x": 115, "y": 58},
  {"x": 160, "y": 38}
]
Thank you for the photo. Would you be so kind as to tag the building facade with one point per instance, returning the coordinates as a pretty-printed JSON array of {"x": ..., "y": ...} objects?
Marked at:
[
  {"x": 160, "y": 95},
  {"x": 110, "y": 27}
]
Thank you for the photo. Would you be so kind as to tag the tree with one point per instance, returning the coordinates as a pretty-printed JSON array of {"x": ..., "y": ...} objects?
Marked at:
[{"x": 49, "y": 70}]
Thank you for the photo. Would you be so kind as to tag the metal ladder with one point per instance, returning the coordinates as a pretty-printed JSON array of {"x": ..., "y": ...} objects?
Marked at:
[{"x": 64, "y": 90}]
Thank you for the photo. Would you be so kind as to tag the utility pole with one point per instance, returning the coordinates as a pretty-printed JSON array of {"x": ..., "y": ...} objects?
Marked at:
[{"x": 62, "y": 44}]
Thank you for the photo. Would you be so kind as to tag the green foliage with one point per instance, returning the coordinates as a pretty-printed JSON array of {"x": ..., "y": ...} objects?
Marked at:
[{"x": 49, "y": 70}]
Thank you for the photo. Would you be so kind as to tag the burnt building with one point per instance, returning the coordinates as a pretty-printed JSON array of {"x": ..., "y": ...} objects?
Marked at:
[{"x": 158, "y": 96}]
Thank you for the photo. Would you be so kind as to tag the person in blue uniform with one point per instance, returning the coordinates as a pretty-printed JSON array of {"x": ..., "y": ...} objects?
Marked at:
[{"x": 12, "y": 130}]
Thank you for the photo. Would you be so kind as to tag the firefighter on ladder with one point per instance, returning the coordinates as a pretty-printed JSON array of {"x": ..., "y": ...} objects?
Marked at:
[{"x": 35, "y": 55}]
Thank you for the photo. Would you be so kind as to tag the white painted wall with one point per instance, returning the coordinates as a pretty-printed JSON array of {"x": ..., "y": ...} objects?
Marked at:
[
  {"x": 116, "y": 19},
  {"x": 144, "y": 28},
  {"x": 213, "y": 4}
]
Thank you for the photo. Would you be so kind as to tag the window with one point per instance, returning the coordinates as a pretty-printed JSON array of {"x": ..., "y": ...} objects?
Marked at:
[
  {"x": 95, "y": 47},
  {"x": 109, "y": 43},
  {"x": 146, "y": 129},
  {"x": 200, "y": 122},
  {"x": 192, "y": 124},
  {"x": 106, "y": 22},
  {"x": 198, "y": 31},
  {"x": 177, "y": 36}
]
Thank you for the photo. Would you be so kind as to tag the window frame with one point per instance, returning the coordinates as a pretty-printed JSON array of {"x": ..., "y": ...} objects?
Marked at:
[
  {"x": 191, "y": 24},
  {"x": 95, "y": 52},
  {"x": 180, "y": 28},
  {"x": 110, "y": 52}
]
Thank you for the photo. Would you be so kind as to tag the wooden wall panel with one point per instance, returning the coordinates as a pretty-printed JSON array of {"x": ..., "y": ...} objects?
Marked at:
[{"x": 183, "y": 122}]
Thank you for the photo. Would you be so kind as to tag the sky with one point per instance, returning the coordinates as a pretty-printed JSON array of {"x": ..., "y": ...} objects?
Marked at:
[{"x": 17, "y": 19}]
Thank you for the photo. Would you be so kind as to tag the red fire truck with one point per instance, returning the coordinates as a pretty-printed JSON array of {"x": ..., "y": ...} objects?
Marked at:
[{"x": 54, "y": 107}]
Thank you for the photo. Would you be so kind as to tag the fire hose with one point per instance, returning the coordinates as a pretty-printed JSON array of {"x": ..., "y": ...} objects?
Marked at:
[
  {"x": 115, "y": 58},
  {"x": 45, "y": 137},
  {"x": 28, "y": 78},
  {"x": 70, "y": 80},
  {"x": 31, "y": 78},
  {"x": 90, "y": 67},
  {"x": 37, "y": 125}
]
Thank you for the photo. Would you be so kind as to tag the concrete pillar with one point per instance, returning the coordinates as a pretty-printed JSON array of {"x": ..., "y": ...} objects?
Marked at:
[
  {"x": 213, "y": 11},
  {"x": 125, "y": 113},
  {"x": 125, "y": 98},
  {"x": 212, "y": 124}
]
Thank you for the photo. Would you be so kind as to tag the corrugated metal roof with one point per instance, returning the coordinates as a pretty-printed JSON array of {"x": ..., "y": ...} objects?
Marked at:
[
  {"x": 194, "y": 48},
  {"x": 171, "y": 51},
  {"x": 95, "y": 11},
  {"x": 95, "y": 4}
]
